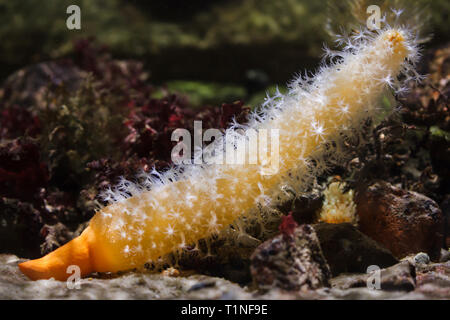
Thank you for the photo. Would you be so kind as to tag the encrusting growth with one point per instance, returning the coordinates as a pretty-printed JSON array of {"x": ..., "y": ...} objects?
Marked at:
[
  {"x": 338, "y": 206},
  {"x": 177, "y": 208}
]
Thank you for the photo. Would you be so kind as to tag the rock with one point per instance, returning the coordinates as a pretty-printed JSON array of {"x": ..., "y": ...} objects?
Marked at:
[
  {"x": 131, "y": 285},
  {"x": 226, "y": 255},
  {"x": 445, "y": 206},
  {"x": 435, "y": 269},
  {"x": 445, "y": 255},
  {"x": 231, "y": 263},
  {"x": 291, "y": 262},
  {"x": 398, "y": 277},
  {"x": 304, "y": 207},
  {"x": 434, "y": 280},
  {"x": 55, "y": 236},
  {"x": 402, "y": 221},
  {"x": 348, "y": 250},
  {"x": 432, "y": 283},
  {"x": 421, "y": 258}
]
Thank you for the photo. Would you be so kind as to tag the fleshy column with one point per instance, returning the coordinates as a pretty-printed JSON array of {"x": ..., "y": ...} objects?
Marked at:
[{"x": 182, "y": 208}]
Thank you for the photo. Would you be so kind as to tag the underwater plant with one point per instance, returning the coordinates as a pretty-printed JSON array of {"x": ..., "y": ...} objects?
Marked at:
[{"x": 184, "y": 204}]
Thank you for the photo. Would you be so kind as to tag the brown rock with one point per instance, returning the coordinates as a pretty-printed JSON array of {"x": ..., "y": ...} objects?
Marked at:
[
  {"x": 292, "y": 262},
  {"x": 400, "y": 277},
  {"x": 346, "y": 249},
  {"x": 445, "y": 206},
  {"x": 403, "y": 221}
]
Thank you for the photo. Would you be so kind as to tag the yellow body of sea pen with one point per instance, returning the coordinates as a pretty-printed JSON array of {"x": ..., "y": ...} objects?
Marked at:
[{"x": 181, "y": 208}]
